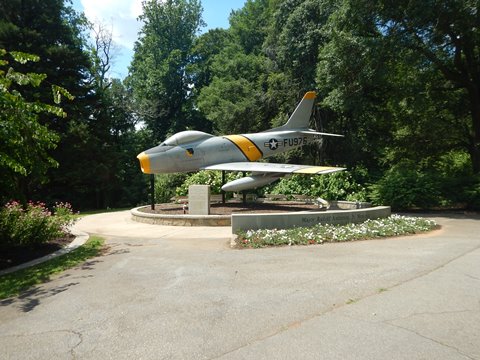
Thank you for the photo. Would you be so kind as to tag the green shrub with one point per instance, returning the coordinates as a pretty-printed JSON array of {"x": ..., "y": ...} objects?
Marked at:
[
  {"x": 338, "y": 186},
  {"x": 205, "y": 177},
  {"x": 404, "y": 187},
  {"x": 34, "y": 224},
  {"x": 471, "y": 193},
  {"x": 165, "y": 185}
]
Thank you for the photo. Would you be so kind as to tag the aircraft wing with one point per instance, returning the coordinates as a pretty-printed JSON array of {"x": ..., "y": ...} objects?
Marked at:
[{"x": 260, "y": 167}]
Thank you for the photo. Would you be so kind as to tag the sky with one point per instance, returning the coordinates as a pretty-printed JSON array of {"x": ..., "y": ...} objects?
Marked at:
[{"x": 119, "y": 16}]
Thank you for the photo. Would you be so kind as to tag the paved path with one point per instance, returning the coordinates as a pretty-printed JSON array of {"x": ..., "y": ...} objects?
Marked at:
[{"x": 182, "y": 293}]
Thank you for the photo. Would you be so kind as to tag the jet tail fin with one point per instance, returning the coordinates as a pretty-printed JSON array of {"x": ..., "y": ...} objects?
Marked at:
[{"x": 300, "y": 119}]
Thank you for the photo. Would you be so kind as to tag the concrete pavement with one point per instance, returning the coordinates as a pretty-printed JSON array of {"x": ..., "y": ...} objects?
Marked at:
[{"x": 182, "y": 293}]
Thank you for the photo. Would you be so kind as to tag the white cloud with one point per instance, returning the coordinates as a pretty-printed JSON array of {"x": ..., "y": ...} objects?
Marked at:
[{"x": 120, "y": 16}]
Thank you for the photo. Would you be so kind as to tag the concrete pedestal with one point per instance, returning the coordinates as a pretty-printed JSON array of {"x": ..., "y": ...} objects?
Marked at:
[{"x": 199, "y": 200}]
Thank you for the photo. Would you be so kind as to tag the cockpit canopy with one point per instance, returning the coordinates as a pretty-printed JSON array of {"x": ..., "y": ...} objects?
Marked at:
[{"x": 185, "y": 137}]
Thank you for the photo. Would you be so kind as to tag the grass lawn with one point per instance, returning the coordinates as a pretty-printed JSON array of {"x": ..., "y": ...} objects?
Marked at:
[{"x": 12, "y": 284}]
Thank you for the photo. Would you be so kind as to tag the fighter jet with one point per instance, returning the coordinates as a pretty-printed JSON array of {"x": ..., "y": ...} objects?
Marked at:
[{"x": 195, "y": 150}]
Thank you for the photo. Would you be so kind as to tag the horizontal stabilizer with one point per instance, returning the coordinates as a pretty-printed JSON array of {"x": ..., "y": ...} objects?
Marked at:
[
  {"x": 313, "y": 132},
  {"x": 309, "y": 132}
]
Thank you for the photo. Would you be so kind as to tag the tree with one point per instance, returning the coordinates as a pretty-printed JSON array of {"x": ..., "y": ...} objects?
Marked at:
[
  {"x": 102, "y": 53},
  {"x": 205, "y": 47},
  {"x": 296, "y": 37},
  {"x": 53, "y": 31},
  {"x": 235, "y": 100},
  {"x": 24, "y": 141},
  {"x": 158, "y": 74},
  {"x": 105, "y": 143},
  {"x": 249, "y": 25},
  {"x": 444, "y": 34}
]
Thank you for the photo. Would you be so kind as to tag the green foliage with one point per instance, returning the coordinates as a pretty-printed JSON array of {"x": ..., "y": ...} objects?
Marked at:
[
  {"x": 12, "y": 284},
  {"x": 234, "y": 101},
  {"x": 160, "y": 84},
  {"x": 205, "y": 47},
  {"x": 424, "y": 64},
  {"x": 445, "y": 183},
  {"x": 394, "y": 225},
  {"x": 472, "y": 193},
  {"x": 296, "y": 37},
  {"x": 51, "y": 31},
  {"x": 250, "y": 24},
  {"x": 24, "y": 141},
  {"x": 204, "y": 177},
  {"x": 233, "y": 106},
  {"x": 403, "y": 187},
  {"x": 33, "y": 225},
  {"x": 166, "y": 186},
  {"x": 105, "y": 172},
  {"x": 337, "y": 186}
]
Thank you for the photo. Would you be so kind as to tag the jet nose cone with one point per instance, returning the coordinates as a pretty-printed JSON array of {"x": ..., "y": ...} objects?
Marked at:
[{"x": 144, "y": 162}]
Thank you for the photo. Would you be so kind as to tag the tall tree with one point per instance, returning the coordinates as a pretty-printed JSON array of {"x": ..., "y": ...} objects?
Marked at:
[
  {"x": 445, "y": 34},
  {"x": 296, "y": 37},
  {"x": 250, "y": 24},
  {"x": 395, "y": 102},
  {"x": 24, "y": 141},
  {"x": 158, "y": 73},
  {"x": 205, "y": 48},
  {"x": 235, "y": 100},
  {"x": 51, "y": 30},
  {"x": 104, "y": 143}
]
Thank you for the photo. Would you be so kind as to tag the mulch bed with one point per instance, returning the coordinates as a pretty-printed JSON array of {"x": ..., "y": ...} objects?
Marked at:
[
  {"x": 18, "y": 255},
  {"x": 237, "y": 207}
]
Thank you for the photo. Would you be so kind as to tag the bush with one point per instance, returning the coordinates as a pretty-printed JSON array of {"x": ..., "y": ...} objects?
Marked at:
[
  {"x": 165, "y": 186},
  {"x": 205, "y": 177},
  {"x": 338, "y": 186},
  {"x": 472, "y": 193},
  {"x": 34, "y": 224},
  {"x": 404, "y": 187}
]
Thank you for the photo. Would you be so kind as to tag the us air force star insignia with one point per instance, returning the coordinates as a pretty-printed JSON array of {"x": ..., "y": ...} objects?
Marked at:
[{"x": 273, "y": 144}]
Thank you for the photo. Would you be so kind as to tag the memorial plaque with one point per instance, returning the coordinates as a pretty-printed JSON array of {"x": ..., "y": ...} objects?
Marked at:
[
  {"x": 306, "y": 218},
  {"x": 199, "y": 200}
]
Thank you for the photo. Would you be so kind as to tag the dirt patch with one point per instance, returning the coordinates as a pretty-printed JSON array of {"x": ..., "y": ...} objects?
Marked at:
[
  {"x": 229, "y": 208},
  {"x": 13, "y": 256}
]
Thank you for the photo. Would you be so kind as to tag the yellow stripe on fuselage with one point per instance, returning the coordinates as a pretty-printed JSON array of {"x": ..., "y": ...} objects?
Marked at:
[
  {"x": 313, "y": 170},
  {"x": 246, "y": 146}
]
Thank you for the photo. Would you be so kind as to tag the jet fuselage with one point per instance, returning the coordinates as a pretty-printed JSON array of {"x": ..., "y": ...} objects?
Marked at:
[{"x": 211, "y": 150}]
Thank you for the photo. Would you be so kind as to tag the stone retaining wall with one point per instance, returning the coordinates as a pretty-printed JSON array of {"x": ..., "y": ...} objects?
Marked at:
[
  {"x": 306, "y": 218},
  {"x": 265, "y": 221},
  {"x": 180, "y": 220}
]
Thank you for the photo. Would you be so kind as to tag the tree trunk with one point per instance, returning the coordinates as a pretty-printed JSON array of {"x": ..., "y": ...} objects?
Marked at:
[{"x": 474, "y": 149}]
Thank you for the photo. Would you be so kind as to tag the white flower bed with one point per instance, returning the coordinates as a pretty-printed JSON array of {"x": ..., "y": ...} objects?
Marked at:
[{"x": 394, "y": 225}]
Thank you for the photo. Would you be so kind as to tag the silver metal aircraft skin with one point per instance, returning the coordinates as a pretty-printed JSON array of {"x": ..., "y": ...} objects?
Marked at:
[{"x": 195, "y": 150}]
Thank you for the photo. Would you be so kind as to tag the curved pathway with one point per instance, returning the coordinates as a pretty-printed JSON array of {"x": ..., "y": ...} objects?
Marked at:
[{"x": 181, "y": 293}]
